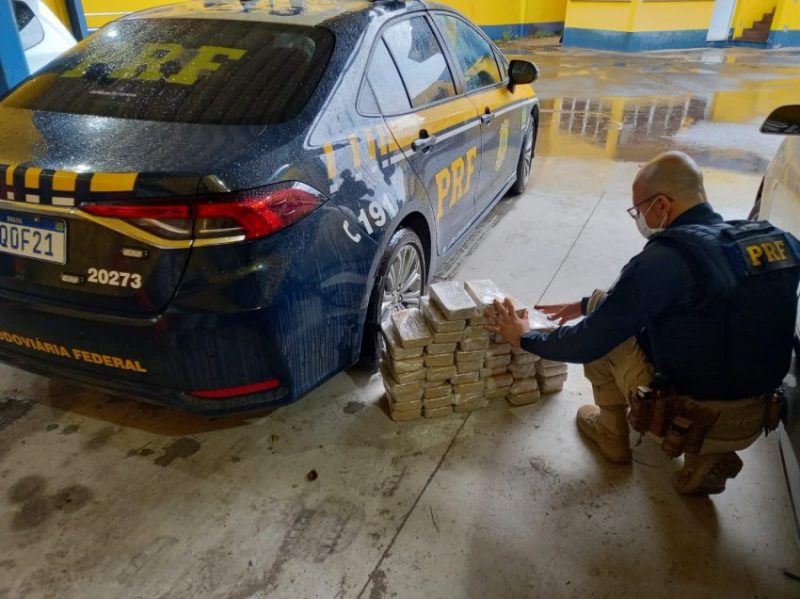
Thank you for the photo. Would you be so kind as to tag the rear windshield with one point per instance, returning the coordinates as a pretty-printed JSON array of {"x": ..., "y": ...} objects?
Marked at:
[{"x": 222, "y": 72}]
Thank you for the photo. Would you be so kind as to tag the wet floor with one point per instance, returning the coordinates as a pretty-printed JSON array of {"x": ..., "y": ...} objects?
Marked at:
[
  {"x": 106, "y": 497},
  {"x": 708, "y": 103}
]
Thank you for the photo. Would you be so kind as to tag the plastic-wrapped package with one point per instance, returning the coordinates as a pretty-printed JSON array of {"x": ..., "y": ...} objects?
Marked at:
[
  {"x": 438, "y": 402},
  {"x": 485, "y": 291},
  {"x": 468, "y": 388},
  {"x": 498, "y": 361},
  {"x": 448, "y": 337},
  {"x": 523, "y": 399},
  {"x": 467, "y": 377},
  {"x": 441, "y": 348},
  {"x": 466, "y": 367},
  {"x": 500, "y": 381},
  {"x": 443, "y": 373},
  {"x": 437, "y": 321},
  {"x": 463, "y": 357},
  {"x": 440, "y": 391},
  {"x": 393, "y": 343},
  {"x": 498, "y": 349},
  {"x": 411, "y": 328},
  {"x": 474, "y": 344},
  {"x": 453, "y": 301},
  {"x": 524, "y": 386},
  {"x": 439, "y": 360},
  {"x": 465, "y": 398},
  {"x": 522, "y": 371}
]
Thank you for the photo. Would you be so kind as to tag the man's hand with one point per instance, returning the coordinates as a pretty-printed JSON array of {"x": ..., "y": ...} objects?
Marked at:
[
  {"x": 563, "y": 313},
  {"x": 503, "y": 319}
]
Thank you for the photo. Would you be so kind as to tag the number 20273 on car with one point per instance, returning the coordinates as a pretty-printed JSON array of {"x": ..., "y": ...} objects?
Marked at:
[{"x": 33, "y": 237}]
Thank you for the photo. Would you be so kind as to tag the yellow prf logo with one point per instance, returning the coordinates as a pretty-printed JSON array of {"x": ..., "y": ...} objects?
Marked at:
[
  {"x": 147, "y": 64},
  {"x": 502, "y": 148},
  {"x": 455, "y": 181},
  {"x": 773, "y": 251}
]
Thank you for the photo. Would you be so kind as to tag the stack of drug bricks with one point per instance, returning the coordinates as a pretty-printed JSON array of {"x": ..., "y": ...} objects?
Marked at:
[{"x": 440, "y": 358}]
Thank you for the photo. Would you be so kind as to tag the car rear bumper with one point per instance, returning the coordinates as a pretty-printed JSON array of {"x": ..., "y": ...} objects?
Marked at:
[
  {"x": 143, "y": 392},
  {"x": 177, "y": 358}
]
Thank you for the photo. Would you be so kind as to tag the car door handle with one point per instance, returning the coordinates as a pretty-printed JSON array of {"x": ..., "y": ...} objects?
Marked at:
[
  {"x": 487, "y": 118},
  {"x": 424, "y": 143}
]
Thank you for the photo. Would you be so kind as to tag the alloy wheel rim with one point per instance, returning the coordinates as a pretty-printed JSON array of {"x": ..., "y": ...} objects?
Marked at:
[{"x": 402, "y": 285}]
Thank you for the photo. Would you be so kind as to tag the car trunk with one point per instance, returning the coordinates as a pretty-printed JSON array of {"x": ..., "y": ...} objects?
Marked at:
[{"x": 57, "y": 174}]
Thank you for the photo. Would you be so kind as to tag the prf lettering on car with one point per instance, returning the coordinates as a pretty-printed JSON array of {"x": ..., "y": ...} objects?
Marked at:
[
  {"x": 455, "y": 181},
  {"x": 149, "y": 64}
]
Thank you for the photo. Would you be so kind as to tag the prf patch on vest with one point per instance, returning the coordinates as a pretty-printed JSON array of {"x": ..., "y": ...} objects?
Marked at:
[{"x": 765, "y": 254}]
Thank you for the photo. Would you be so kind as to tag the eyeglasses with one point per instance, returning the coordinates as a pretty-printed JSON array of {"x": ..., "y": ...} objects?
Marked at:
[{"x": 634, "y": 211}]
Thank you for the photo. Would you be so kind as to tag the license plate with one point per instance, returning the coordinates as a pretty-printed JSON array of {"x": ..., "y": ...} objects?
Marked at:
[{"x": 32, "y": 236}]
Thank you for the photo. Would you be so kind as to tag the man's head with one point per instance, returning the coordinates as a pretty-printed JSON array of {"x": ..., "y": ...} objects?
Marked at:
[{"x": 666, "y": 187}]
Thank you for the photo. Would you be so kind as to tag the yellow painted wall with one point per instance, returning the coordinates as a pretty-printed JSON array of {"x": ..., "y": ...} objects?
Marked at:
[
  {"x": 672, "y": 16},
  {"x": 748, "y": 12},
  {"x": 544, "y": 11},
  {"x": 640, "y": 15},
  {"x": 511, "y": 12},
  {"x": 787, "y": 16},
  {"x": 490, "y": 13},
  {"x": 610, "y": 16}
]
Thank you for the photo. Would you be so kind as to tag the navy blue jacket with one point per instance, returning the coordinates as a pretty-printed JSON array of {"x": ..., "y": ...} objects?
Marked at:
[{"x": 659, "y": 298}]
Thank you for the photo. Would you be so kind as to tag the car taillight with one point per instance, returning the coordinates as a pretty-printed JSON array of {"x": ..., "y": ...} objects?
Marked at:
[{"x": 234, "y": 216}]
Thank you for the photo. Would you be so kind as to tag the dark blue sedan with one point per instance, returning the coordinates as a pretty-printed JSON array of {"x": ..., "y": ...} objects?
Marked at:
[{"x": 213, "y": 205}]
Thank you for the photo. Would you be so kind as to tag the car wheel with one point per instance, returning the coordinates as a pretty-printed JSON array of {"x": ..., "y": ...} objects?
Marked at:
[
  {"x": 526, "y": 158},
  {"x": 399, "y": 284}
]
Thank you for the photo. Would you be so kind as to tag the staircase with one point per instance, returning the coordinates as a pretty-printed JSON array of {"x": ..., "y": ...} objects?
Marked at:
[{"x": 759, "y": 32}]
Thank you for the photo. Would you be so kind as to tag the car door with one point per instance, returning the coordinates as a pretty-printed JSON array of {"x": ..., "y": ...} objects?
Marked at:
[
  {"x": 435, "y": 128},
  {"x": 501, "y": 110}
]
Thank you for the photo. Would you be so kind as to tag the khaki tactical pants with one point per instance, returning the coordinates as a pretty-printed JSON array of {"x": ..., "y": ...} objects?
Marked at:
[{"x": 617, "y": 374}]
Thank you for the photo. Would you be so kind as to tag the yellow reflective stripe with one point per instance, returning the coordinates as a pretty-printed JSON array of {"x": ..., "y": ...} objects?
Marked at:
[
  {"x": 10, "y": 174},
  {"x": 370, "y": 144},
  {"x": 435, "y": 119},
  {"x": 330, "y": 159},
  {"x": 102, "y": 182},
  {"x": 32, "y": 177},
  {"x": 356, "y": 151},
  {"x": 64, "y": 181}
]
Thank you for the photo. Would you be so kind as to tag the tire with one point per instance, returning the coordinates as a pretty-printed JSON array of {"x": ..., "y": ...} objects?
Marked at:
[
  {"x": 393, "y": 291},
  {"x": 526, "y": 155}
]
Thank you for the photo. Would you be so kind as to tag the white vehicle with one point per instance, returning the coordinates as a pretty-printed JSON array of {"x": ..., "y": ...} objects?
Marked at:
[
  {"x": 779, "y": 203},
  {"x": 42, "y": 34}
]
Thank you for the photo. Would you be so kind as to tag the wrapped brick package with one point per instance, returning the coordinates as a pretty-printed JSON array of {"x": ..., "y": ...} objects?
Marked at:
[
  {"x": 411, "y": 328},
  {"x": 440, "y": 359},
  {"x": 453, "y": 301}
]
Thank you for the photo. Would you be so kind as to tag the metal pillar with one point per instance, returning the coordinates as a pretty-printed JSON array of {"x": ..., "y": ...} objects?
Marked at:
[
  {"x": 13, "y": 66},
  {"x": 77, "y": 18}
]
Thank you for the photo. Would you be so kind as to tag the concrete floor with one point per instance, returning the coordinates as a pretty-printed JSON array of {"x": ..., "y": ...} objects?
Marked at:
[{"x": 104, "y": 497}]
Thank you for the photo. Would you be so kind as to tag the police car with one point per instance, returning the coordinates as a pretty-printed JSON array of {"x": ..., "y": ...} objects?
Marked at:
[
  {"x": 214, "y": 204},
  {"x": 779, "y": 202}
]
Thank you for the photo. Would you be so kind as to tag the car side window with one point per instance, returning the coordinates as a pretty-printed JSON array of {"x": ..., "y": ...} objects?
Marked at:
[
  {"x": 420, "y": 60},
  {"x": 473, "y": 54},
  {"x": 383, "y": 85},
  {"x": 30, "y": 28}
]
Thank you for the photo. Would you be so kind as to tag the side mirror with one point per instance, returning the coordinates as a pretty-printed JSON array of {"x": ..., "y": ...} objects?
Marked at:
[
  {"x": 521, "y": 72},
  {"x": 784, "y": 121}
]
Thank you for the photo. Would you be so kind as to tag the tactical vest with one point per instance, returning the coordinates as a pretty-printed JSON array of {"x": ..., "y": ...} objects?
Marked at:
[{"x": 736, "y": 341}]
